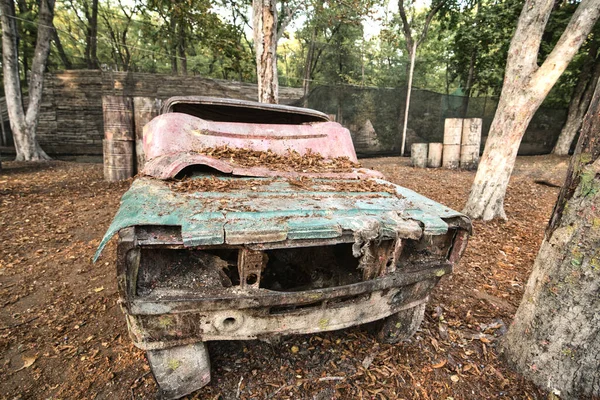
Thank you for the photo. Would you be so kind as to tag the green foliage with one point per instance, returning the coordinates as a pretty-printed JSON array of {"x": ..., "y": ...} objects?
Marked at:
[{"x": 465, "y": 50}]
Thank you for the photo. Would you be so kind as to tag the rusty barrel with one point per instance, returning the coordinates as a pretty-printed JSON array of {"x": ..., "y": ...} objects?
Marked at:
[
  {"x": 418, "y": 155},
  {"x": 119, "y": 138},
  {"x": 470, "y": 144},
  {"x": 118, "y": 118},
  {"x": 452, "y": 138},
  {"x": 119, "y": 156},
  {"x": 145, "y": 108},
  {"x": 434, "y": 155}
]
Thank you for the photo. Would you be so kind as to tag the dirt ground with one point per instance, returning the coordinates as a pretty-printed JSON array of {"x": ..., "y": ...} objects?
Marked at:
[{"x": 63, "y": 336}]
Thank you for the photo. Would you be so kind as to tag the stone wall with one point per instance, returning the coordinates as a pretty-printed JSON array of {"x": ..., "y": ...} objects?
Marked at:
[{"x": 71, "y": 115}]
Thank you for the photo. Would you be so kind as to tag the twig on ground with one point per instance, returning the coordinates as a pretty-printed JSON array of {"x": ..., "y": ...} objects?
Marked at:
[
  {"x": 332, "y": 378},
  {"x": 237, "y": 394}
]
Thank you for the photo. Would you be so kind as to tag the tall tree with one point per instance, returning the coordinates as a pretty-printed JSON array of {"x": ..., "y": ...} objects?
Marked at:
[
  {"x": 86, "y": 13},
  {"x": 555, "y": 337},
  {"x": 580, "y": 100},
  {"x": 525, "y": 86},
  {"x": 24, "y": 124},
  {"x": 265, "y": 45},
  {"x": 413, "y": 40},
  {"x": 91, "y": 44}
]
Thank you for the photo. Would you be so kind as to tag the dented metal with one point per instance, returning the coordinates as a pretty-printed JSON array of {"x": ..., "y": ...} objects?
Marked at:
[{"x": 270, "y": 257}]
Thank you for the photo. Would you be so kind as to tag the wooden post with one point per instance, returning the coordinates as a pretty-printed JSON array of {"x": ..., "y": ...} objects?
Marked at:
[
  {"x": 434, "y": 158},
  {"x": 418, "y": 155},
  {"x": 471, "y": 142},
  {"x": 145, "y": 108},
  {"x": 452, "y": 137},
  {"x": 119, "y": 138}
]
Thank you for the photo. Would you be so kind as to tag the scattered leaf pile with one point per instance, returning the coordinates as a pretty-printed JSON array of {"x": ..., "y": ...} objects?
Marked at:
[
  {"x": 357, "y": 185},
  {"x": 291, "y": 161},
  {"x": 63, "y": 337},
  {"x": 214, "y": 184}
]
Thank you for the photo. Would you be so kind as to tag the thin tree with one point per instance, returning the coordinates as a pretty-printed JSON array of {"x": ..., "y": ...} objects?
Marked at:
[
  {"x": 555, "y": 337},
  {"x": 580, "y": 100},
  {"x": 91, "y": 43},
  {"x": 412, "y": 44},
  {"x": 24, "y": 124},
  {"x": 526, "y": 85}
]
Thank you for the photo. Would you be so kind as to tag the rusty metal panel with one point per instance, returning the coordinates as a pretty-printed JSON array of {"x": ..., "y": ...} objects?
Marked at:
[
  {"x": 278, "y": 212},
  {"x": 172, "y": 140}
]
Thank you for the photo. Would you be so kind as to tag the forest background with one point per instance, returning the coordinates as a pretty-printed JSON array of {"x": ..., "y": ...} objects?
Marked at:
[{"x": 356, "y": 42}]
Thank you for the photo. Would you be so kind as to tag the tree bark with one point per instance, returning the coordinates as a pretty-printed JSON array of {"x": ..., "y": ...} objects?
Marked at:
[
  {"x": 555, "y": 337},
  {"x": 91, "y": 15},
  {"x": 580, "y": 101},
  {"x": 23, "y": 124},
  {"x": 92, "y": 39},
  {"x": 525, "y": 87},
  {"x": 265, "y": 44}
]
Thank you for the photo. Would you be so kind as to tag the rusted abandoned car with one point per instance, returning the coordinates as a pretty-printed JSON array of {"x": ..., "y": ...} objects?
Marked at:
[{"x": 252, "y": 221}]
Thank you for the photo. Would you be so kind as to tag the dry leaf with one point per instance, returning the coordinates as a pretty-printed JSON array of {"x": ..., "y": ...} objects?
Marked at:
[
  {"x": 99, "y": 289},
  {"x": 454, "y": 378},
  {"x": 27, "y": 362},
  {"x": 440, "y": 364}
]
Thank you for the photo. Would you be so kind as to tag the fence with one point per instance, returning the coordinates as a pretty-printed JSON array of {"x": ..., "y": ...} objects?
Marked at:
[
  {"x": 71, "y": 112},
  {"x": 375, "y": 116}
]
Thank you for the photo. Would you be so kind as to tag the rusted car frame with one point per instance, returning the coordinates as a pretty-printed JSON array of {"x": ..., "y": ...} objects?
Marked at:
[{"x": 277, "y": 252}]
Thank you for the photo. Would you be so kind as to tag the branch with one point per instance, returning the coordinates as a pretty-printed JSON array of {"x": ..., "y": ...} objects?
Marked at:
[
  {"x": 405, "y": 25},
  {"x": 428, "y": 20},
  {"x": 581, "y": 24},
  {"x": 287, "y": 14}
]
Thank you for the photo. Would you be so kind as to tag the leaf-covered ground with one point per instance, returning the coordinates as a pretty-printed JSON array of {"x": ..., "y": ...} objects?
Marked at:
[{"x": 62, "y": 334}]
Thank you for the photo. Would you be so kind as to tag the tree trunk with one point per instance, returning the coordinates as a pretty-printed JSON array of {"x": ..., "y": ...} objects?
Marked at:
[
  {"x": 464, "y": 107},
  {"x": 555, "y": 337},
  {"x": 23, "y": 124},
  {"x": 91, "y": 59},
  {"x": 181, "y": 49},
  {"x": 525, "y": 87},
  {"x": 61, "y": 51},
  {"x": 582, "y": 95},
  {"x": 308, "y": 67},
  {"x": 93, "y": 41},
  {"x": 265, "y": 44},
  {"x": 174, "y": 46}
]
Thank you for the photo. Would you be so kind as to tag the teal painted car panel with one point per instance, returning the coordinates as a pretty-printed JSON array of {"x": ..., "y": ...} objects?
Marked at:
[{"x": 278, "y": 211}]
